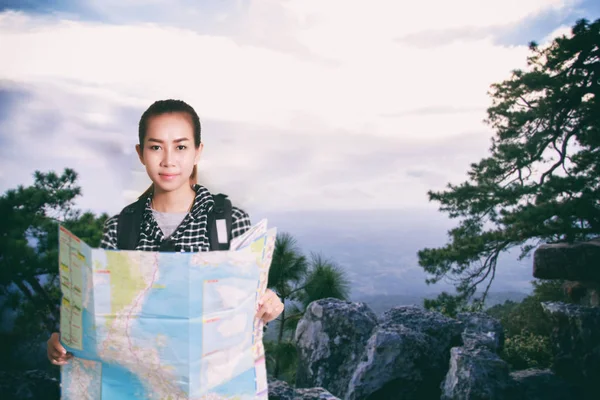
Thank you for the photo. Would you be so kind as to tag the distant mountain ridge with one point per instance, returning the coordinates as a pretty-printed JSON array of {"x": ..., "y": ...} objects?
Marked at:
[{"x": 381, "y": 303}]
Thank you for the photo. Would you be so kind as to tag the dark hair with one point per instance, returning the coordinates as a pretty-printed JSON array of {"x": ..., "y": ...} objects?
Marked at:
[{"x": 168, "y": 106}]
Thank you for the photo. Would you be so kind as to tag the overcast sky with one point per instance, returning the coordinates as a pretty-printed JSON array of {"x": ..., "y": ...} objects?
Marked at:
[{"x": 305, "y": 104}]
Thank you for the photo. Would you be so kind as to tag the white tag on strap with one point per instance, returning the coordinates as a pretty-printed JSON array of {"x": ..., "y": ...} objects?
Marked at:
[{"x": 222, "y": 231}]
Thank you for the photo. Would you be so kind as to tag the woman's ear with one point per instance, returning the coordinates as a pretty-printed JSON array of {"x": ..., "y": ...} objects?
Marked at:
[{"x": 138, "y": 149}]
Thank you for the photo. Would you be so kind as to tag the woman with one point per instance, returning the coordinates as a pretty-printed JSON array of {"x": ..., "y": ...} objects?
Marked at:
[{"x": 176, "y": 208}]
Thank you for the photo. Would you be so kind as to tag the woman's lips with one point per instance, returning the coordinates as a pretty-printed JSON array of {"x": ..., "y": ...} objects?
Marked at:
[{"x": 168, "y": 177}]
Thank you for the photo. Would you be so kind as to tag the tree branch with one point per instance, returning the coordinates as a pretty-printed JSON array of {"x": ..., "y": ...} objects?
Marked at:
[{"x": 561, "y": 158}]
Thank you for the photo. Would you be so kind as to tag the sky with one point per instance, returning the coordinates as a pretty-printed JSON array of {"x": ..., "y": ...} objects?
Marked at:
[{"x": 306, "y": 106}]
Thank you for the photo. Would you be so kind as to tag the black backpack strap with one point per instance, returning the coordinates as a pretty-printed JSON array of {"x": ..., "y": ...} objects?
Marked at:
[
  {"x": 128, "y": 227},
  {"x": 219, "y": 223}
]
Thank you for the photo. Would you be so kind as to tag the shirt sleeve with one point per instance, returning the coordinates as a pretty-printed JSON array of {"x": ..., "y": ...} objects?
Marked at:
[
  {"x": 109, "y": 236},
  {"x": 240, "y": 222}
]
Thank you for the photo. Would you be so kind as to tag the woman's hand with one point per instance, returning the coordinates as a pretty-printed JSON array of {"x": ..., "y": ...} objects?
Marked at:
[
  {"x": 270, "y": 307},
  {"x": 56, "y": 353}
]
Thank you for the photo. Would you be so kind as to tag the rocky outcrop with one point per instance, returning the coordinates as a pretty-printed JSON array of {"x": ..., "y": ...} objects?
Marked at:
[
  {"x": 574, "y": 262},
  {"x": 578, "y": 264},
  {"x": 576, "y": 343},
  {"x": 331, "y": 338},
  {"x": 412, "y": 353},
  {"x": 279, "y": 390},
  {"x": 480, "y": 328},
  {"x": 404, "y": 355},
  {"x": 576, "y": 335},
  {"x": 392, "y": 365},
  {"x": 476, "y": 372},
  {"x": 444, "y": 331}
]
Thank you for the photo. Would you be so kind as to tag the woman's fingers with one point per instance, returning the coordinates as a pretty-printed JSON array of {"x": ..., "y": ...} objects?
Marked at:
[
  {"x": 56, "y": 352},
  {"x": 269, "y": 310},
  {"x": 59, "y": 362}
]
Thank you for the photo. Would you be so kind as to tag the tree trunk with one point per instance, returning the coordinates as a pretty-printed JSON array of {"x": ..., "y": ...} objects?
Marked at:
[{"x": 279, "y": 338}]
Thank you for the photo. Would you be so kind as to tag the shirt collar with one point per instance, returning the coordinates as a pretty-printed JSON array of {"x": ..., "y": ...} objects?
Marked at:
[{"x": 202, "y": 202}]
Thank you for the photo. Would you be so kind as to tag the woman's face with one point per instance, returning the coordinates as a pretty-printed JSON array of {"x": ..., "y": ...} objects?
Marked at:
[{"x": 169, "y": 152}]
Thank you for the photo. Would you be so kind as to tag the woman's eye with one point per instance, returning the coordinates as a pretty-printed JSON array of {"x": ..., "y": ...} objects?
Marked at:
[
  {"x": 182, "y": 147},
  {"x": 154, "y": 147}
]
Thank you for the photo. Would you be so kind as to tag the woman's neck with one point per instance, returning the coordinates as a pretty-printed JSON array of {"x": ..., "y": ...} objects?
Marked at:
[{"x": 177, "y": 201}]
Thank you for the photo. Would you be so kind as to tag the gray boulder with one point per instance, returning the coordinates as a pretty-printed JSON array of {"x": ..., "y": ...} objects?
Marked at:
[
  {"x": 406, "y": 357},
  {"x": 279, "y": 390},
  {"x": 482, "y": 329},
  {"x": 443, "y": 330},
  {"x": 314, "y": 394},
  {"x": 331, "y": 337},
  {"x": 479, "y": 339},
  {"x": 476, "y": 373},
  {"x": 392, "y": 366},
  {"x": 574, "y": 262}
]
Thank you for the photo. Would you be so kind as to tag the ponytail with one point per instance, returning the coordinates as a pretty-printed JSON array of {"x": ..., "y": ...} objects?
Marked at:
[{"x": 194, "y": 175}]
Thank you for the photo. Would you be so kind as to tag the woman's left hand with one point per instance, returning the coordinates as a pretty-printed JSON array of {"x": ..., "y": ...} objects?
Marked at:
[{"x": 270, "y": 307}]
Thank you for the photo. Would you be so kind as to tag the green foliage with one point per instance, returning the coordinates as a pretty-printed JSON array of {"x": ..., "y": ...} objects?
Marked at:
[
  {"x": 282, "y": 356},
  {"x": 29, "y": 262},
  {"x": 541, "y": 182},
  {"x": 449, "y": 305},
  {"x": 325, "y": 279},
  {"x": 527, "y": 327},
  {"x": 288, "y": 267},
  {"x": 528, "y": 315},
  {"x": 527, "y": 350},
  {"x": 298, "y": 282}
]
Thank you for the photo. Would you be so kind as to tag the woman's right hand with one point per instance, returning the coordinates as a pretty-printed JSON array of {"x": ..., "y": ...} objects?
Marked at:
[{"x": 56, "y": 352}]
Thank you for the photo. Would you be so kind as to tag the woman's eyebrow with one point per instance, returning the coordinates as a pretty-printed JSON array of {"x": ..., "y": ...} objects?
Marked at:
[{"x": 161, "y": 141}]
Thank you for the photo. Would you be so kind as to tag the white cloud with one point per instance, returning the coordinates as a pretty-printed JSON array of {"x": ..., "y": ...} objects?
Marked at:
[
  {"x": 321, "y": 81},
  {"x": 249, "y": 84},
  {"x": 387, "y": 18}
]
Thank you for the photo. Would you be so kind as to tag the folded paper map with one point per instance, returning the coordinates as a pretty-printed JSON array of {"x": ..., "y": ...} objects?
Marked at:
[{"x": 153, "y": 325}]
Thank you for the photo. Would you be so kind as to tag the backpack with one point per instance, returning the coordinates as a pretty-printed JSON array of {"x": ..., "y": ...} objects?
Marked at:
[{"x": 218, "y": 225}]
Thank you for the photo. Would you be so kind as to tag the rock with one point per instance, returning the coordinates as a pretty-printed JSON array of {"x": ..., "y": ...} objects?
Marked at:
[
  {"x": 314, "y": 394},
  {"x": 476, "y": 373},
  {"x": 482, "y": 329},
  {"x": 541, "y": 384},
  {"x": 407, "y": 356},
  {"x": 446, "y": 331},
  {"x": 576, "y": 343},
  {"x": 479, "y": 339},
  {"x": 574, "y": 262},
  {"x": 279, "y": 390},
  {"x": 331, "y": 337},
  {"x": 391, "y": 366}
]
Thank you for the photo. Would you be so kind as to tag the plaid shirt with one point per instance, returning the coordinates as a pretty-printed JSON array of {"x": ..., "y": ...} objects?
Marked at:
[{"x": 191, "y": 235}]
